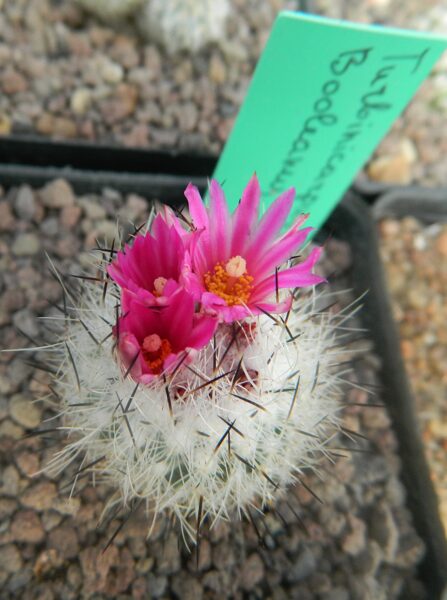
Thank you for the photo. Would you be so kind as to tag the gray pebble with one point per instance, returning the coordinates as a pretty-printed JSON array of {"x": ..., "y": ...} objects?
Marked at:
[
  {"x": 25, "y": 203},
  {"x": 303, "y": 566},
  {"x": 156, "y": 585},
  {"x": 26, "y": 244}
]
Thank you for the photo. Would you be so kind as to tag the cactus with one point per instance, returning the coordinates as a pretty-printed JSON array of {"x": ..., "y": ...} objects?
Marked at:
[{"x": 223, "y": 405}]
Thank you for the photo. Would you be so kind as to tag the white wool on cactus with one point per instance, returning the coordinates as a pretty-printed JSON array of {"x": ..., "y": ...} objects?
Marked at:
[{"x": 214, "y": 438}]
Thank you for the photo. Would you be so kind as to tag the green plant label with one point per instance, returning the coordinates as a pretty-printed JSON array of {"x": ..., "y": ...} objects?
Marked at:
[{"x": 323, "y": 95}]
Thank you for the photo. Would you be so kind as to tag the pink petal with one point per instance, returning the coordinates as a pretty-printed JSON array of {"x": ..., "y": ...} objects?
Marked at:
[
  {"x": 173, "y": 360},
  {"x": 273, "y": 307},
  {"x": 238, "y": 312},
  {"x": 177, "y": 318},
  {"x": 171, "y": 286},
  {"x": 129, "y": 349},
  {"x": 297, "y": 276},
  {"x": 219, "y": 224},
  {"x": 245, "y": 216},
  {"x": 217, "y": 306},
  {"x": 202, "y": 332},
  {"x": 281, "y": 251},
  {"x": 167, "y": 249},
  {"x": 201, "y": 254},
  {"x": 138, "y": 295},
  {"x": 192, "y": 285},
  {"x": 270, "y": 224},
  {"x": 190, "y": 280},
  {"x": 212, "y": 301},
  {"x": 196, "y": 207},
  {"x": 142, "y": 321}
]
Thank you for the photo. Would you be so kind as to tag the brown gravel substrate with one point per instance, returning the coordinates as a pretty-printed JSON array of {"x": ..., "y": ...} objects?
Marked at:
[
  {"x": 415, "y": 259},
  {"x": 358, "y": 544},
  {"x": 63, "y": 74}
]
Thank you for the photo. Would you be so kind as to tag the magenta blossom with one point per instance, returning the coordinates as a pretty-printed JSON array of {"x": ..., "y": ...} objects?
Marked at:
[
  {"x": 155, "y": 266},
  {"x": 237, "y": 258},
  {"x": 155, "y": 340}
]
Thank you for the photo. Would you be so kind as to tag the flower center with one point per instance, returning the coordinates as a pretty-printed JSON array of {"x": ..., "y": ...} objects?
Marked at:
[
  {"x": 230, "y": 281},
  {"x": 155, "y": 350},
  {"x": 159, "y": 286}
]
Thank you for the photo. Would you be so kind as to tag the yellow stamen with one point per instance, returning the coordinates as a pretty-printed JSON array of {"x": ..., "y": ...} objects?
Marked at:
[
  {"x": 230, "y": 281},
  {"x": 155, "y": 350}
]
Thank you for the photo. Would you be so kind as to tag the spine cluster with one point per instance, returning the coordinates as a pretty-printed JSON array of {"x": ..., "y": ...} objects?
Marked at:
[{"x": 214, "y": 439}]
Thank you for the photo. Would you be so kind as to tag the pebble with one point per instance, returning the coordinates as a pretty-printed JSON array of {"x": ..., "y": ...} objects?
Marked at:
[
  {"x": 80, "y": 101},
  {"x": 92, "y": 208},
  {"x": 8, "y": 429},
  {"x": 6, "y": 217},
  {"x": 59, "y": 127},
  {"x": 7, "y": 508},
  {"x": 121, "y": 105},
  {"x": 57, "y": 194},
  {"x": 384, "y": 530},
  {"x": 10, "y": 481},
  {"x": 28, "y": 463},
  {"x": 104, "y": 231},
  {"x": 441, "y": 244},
  {"x": 169, "y": 560},
  {"x": 65, "y": 540},
  {"x": 12, "y": 82},
  {"x": 5, "y": 124},
  {"x": 156, "y": 585},
  {"x": 135, "y": 208},
  {"x": 97, "y": 566},
  {"x": 19, "y": 580},
  {"x": 111, "y": 72},
  {"x": 24, "y": 320},
  {"x": 39, "y": 496},
  {"x": 26, "y": 244},
  {"x": 252, "y": 572},
  {"x": 394, "y": 168},
  {"x": 25, "y": 203},
  {"x": 217, "y": 70},
  {"x": 303, "y": 566},
  {"x": 186, "y": 587},
  {"x": 11, "y": 558},
  {"x": 27, "y": 527},
  {"x": 47, "y": 563},
  {"x": 354, "y": 542},
  {"x": 24, "y": 412},
  {"x": 69, "y": 216},
  {"x": 74, "y": 576}
]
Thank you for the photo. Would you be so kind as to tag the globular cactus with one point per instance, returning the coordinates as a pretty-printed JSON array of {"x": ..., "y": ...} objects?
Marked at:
[{"x": 199, "y": 391}]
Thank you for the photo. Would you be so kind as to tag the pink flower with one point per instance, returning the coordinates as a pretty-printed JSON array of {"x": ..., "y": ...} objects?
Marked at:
[
  {"x": 236, "y": 257},
  {"x": 155, "y": 266},
  {"x": 155, "y": 340}
]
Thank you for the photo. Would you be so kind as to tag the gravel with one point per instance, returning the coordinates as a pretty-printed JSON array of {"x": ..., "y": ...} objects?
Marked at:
[
  {"x": 359, "y": 544},
  {"x": 415, "y": 262},
  {"x": 64, "y": 74}
]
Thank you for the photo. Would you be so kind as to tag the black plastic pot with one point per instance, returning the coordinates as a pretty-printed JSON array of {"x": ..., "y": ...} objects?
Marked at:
[
  {"x": 352, "y": 221},
  {"x": 90, "y": 168},
  {"x": 426, "y": 205},
  {"x": 164, "y": 176}
]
